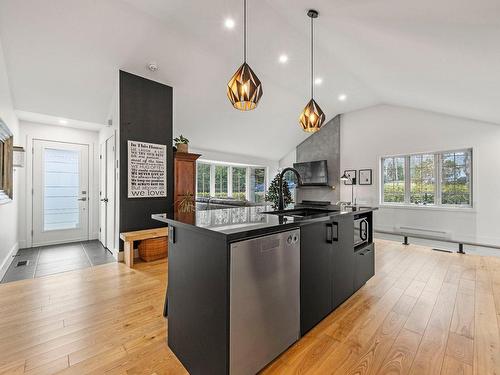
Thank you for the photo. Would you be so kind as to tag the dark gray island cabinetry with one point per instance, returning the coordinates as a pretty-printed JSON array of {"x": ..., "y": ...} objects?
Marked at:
[{"x": 244, "y": 283}]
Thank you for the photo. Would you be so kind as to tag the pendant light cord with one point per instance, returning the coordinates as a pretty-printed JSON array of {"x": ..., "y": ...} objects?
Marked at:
[
  {"x": 312, "y": 58},
  {"x": 245, "y": 30}
]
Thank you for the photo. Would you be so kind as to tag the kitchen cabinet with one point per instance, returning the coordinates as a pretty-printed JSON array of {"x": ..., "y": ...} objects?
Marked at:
[
  {"x": 184, "y": 183},
  {"x": 315, "y": 274},
  {"x": 364, "y": 265},
  {"x": 343, "y": 261},
  {"x": 327, "y": 268}
]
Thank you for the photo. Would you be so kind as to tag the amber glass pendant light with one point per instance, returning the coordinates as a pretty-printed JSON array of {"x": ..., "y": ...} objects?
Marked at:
[
  {"x": 312, "y": 117},
  {"x": 244, "y": 90}
]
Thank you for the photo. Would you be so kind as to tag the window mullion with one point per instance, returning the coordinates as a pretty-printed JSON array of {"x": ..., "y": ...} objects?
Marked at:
[
  {"x": 438, "y": 164},
  {"x": 212, "y": 180},
  {"x": 230, "y": 181},
  {"x": 407, "y": 180}
]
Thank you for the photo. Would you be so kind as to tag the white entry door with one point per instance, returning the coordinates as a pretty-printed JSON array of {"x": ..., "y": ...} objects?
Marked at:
[
  {"x": 107, "y": 193},
  {"x": 60, "y": 192}
]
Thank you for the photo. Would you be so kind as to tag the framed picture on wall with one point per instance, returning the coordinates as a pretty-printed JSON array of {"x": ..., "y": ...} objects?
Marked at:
[
  {"x": 365, "y": 176},
  {"x": 351, "y": 173}
]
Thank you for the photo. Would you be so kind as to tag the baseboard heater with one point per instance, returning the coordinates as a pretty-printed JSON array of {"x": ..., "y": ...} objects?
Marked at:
[{"x": 429, "y": 233}]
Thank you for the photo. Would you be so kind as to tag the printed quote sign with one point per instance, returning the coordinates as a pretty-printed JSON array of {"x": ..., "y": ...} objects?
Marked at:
[{"x": 147, "y": 170}]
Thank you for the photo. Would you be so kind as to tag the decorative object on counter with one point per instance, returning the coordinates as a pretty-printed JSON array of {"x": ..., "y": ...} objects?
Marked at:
[
  {"x": 244, "y": 89},
  {"x": 349, "y": 178},
  {"x": 19, "y": 157},
  {"x": 153, "y": 249},
  {"x": 6, "y": 164},
  {"x": 365, "y": 176},
  {"x": 186, "y": 204},
  {"x": 272, "y": 194},
  {"x": 181, "y": 144},
  {"x": 312, "y": 117},
  {"x": 147, "y": 170}
]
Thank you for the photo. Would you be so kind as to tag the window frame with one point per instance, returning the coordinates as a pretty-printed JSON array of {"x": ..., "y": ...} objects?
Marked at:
[
  {"x": 230, "y": 166},
  {"x": 438, "y": 163}
]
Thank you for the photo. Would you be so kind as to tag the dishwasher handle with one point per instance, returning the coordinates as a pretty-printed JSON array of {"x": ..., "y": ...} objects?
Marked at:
[{"x": 332, "y": 232}]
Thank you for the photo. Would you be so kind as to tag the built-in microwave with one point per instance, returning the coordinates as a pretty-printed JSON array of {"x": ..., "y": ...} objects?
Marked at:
[{"x": 361, "y": 229}]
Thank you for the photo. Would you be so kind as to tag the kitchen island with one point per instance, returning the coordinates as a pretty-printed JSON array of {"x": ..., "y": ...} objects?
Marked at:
[{"x": 246, "y": 283}]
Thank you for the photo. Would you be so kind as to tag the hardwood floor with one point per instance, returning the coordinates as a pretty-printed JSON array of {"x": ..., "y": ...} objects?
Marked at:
[{"x": 424, "y": 312}]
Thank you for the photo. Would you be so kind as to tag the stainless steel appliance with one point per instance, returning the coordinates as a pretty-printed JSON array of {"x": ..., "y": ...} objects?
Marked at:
[
  {"x": 264, "y": 300},
  {"x": 361, "y": 229}
]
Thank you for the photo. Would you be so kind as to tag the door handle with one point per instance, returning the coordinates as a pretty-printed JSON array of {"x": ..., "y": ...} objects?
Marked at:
[
  {"x": 104, "y": 200},
  {"x": 82, "y": 199},
  {"x": 332, "y": 235}
]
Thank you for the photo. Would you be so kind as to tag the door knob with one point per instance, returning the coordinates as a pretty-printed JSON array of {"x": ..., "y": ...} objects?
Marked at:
[{"x": 104, "y": 200}]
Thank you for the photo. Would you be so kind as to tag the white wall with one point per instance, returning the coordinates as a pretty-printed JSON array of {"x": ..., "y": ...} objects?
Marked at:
[
  {"x": 30, "y": 131},
  {"x": 8, "y": 212},
  {"x": 369, "y": 134}
]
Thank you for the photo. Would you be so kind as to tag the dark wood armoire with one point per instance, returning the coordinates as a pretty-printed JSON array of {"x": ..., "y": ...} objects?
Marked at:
[{"x": 184, "y": 184}]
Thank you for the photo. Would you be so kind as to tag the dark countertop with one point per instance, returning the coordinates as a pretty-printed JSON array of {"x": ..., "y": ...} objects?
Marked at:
[{"x": 244, "y": 222}]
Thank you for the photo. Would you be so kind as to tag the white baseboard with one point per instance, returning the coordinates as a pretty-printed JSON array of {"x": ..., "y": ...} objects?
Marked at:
[
  {"x": 8, "y": 260},
  {"x": 23, "y": 244}
]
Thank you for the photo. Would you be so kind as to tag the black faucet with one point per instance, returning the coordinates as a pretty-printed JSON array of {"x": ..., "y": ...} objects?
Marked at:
[{"x": 281, "y": 198}]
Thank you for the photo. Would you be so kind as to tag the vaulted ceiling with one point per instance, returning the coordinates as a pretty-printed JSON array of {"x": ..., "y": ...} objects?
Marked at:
[{"x": 62, "y": 57}]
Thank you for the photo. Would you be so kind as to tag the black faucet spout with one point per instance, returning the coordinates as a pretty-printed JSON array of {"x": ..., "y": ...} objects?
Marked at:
[{"x": 281, "y": 198}]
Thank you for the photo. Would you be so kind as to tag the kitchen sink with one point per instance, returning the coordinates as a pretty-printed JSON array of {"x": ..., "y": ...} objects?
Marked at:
[{"x": 301, "y": 212}]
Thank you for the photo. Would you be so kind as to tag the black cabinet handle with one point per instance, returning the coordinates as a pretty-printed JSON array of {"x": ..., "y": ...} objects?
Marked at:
[
  {"x": 332, "y": 235},
  {"x": 363, "y": 230}
]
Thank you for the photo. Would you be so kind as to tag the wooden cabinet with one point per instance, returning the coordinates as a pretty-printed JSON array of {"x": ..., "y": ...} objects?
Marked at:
[{"x": 184, "y": 183}]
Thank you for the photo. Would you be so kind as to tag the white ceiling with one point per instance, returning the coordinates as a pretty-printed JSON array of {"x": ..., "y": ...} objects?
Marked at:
[{"x": 62, "y": 57}]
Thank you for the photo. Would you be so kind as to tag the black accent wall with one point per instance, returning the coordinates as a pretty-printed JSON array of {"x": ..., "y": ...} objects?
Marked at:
[{"x": 146, "y": 109}]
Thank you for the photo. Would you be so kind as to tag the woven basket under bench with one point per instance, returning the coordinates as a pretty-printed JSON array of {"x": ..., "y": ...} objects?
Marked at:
[{"x": 153, "y": 249}]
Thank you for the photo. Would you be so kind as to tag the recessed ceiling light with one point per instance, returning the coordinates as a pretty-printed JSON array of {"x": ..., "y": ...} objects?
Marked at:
[
  {"x": 283, "y": 58},
  {"x": 229, "y": 23},
  {"x": 63, "y": 121},
  {"x": 318, "y": 81},
  {"x": 342, "y": 97}
]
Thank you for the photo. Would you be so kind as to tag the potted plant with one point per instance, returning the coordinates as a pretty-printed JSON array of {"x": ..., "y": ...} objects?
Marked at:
[
  {"x": 181, "y": 143},
  {"x": 272, "y": 194}
]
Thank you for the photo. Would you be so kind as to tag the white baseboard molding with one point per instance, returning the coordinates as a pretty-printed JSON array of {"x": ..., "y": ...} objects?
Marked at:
[
  {"x": 8, "y": 260},
  {"x": 23, "y": 244}
]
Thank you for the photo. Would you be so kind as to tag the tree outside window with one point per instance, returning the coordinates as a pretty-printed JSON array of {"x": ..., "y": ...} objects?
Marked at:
[
  {"x": 239, "y": 183},
  {"x": 394, "y": 179},
  {"x": 221, "y": 181}
]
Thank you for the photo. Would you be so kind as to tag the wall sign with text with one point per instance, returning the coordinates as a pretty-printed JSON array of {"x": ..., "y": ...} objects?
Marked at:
[{"x": 147, "y": 170}]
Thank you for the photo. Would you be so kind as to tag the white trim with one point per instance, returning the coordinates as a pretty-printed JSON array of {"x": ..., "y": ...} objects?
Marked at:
[
  {"x": 29, "y": 187},
  {"x": 8, "y": 260}
]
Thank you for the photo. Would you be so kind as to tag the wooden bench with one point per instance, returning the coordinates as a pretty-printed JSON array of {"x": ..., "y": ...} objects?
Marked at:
[{"x": 137, "y": 235}]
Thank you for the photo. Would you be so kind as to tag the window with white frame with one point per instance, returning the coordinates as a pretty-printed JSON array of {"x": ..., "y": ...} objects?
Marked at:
[
  {"x": 231, "y": 181},
  {"x": 428, "y": 179}
]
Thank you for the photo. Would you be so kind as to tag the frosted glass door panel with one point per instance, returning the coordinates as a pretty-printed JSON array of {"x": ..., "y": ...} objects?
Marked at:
[
  {"x": 62, "y": 181},
  {"x": 60, "y": 196}
]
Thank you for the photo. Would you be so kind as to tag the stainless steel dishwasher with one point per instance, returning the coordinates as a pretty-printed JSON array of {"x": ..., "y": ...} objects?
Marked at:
[{"x": 264, "y": 300}]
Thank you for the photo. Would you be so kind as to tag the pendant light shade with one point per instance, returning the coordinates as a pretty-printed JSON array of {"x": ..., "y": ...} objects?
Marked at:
[
  {"x": 312, "y": 117},
  {"x": 244, "y": 89}
]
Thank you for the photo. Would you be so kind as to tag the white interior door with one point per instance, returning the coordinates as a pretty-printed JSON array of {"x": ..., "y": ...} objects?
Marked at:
[
  {"x": 102, "y": 193},
  {"x": 60, "y": 192},
  {"x": 107, "y": 194}
]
